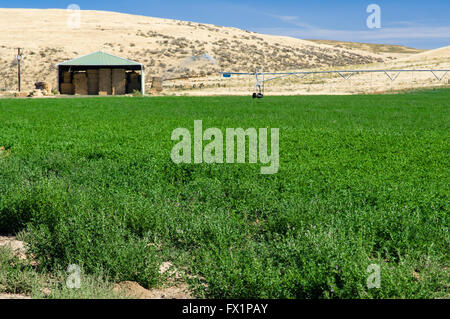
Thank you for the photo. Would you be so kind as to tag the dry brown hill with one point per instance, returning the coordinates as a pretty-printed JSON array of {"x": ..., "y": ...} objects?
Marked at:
[
  {"x": 441, "y": 53},
  {"x": 371, "y": 47},
  {"x": 162, "y": 45}
]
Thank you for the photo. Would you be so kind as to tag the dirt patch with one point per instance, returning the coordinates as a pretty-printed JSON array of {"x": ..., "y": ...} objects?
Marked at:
[
  {"x": 177, "y": 289},
  {"x": 416, "y": 275},
  {"x": 169, "y": 269},
  {"x": 11, "y": 296},
  {"x": 17, "y": 246},
  {"x": 134, "y": 290}
]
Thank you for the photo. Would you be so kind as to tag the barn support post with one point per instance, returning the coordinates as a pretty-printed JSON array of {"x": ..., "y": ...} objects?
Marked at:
[
  {"x": 142, "y": 80},
  {"x": 59, "y": 79}
]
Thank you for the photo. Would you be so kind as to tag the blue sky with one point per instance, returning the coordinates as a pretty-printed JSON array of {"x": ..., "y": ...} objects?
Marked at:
[{"x": 420, "y": 24}]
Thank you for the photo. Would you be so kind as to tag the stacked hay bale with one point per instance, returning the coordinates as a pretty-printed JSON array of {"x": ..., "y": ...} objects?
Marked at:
[
  {"x": 119, "y": 82},
  {"x": 105, "y": 83},
  {"x": 157, "y": 84},
  {"x": 93, "y": 81},
  {"x": 45, "y": 87},
  {"x": 80, "y": 83},
  {"x": 67, "y": 77},
  {"x": 67, "y": 86},
  {"x": 134, "y": 82}
]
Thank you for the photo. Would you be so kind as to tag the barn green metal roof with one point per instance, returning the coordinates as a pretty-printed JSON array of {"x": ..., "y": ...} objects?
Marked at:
[{"x": 99, "y": 58}]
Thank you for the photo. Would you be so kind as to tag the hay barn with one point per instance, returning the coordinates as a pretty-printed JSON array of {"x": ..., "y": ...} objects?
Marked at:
[{"x": 100, "y": 73}]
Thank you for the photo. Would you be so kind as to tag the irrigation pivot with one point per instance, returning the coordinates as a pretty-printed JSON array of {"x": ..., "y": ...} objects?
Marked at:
[{"x": 344, "y": 74}]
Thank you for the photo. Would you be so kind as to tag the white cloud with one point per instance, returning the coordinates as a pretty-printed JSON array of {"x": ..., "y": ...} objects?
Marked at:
[
  {"x": 287, "y": 18},
  {"x": 293, "y": 20}
]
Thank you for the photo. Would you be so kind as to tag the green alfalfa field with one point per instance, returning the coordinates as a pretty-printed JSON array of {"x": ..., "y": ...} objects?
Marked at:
[{"x": 363, "y": 180}]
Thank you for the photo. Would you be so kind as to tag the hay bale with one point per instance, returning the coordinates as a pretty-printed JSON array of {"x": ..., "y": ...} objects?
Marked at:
[
  {"x": 119, "y": 82},
  {"x": 67, "y": 88},
  {"x": 44, "y": 86},
  {"x": 157, "y": 84},
  {"x": 102, "y": 93},
  {"x": 48, "y": 87},
  {"x": 67, "y": 77},
  {"x": 80, "y": 84},
  {"x": 93, "y": 76},
  {"x": 134, "y": 82},
  {"x": 92, "y": 72},
  {"x": 104, "y": 81}
]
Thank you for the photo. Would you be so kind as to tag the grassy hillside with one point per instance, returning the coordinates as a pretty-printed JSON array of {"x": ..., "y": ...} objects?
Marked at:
[
  {"x": 371, "y": 47},
  {"x": 363, "y": 180}
]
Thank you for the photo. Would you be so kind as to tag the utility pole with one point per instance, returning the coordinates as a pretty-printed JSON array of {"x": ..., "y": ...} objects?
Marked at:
[{"x": 19, "y": 58}]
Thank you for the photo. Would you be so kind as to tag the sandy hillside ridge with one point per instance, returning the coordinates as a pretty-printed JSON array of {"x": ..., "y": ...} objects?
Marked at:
[
  {"x": 441, "y": 53},
  {"x": 160, "y": 44}
]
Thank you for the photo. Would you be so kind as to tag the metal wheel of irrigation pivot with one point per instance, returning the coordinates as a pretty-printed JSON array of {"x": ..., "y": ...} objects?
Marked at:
[{"x": 260, "y": 79}]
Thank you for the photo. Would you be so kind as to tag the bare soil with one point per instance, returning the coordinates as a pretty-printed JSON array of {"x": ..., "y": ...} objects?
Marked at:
[
  {"x": 176, "y": 288},
  {"x": 17, "y": 246}
]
